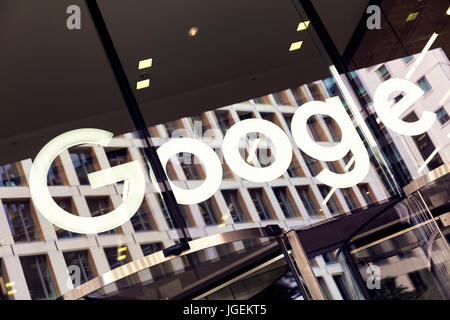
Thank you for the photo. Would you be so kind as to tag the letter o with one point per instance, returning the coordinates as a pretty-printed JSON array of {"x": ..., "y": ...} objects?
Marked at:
[
  {"x": 283, "y": 150},
  {"x": 209, "y": 159}
]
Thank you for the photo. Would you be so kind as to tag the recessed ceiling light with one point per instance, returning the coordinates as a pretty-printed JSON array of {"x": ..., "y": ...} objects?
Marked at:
[
  {"x": 448, "y": 11},
  {"x": 303, "y": 25},
  {"x": 143, "y": 84},
  {"x": 143, "y": 64},
  {"x": 193, "y": 31},
  {"x": 412, "y": 16},
  {"x": 296, "y": 45}
]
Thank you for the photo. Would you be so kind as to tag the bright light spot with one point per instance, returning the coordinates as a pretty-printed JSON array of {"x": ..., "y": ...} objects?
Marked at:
[
  {"x": 412, "y": 16},
  {"x": 193, "y": 31},
  {"x": 448, "y": 11},
  {"x": 144, "y": 64},
  {"x": 303, "y": 25},
  {"x": 143, "y": 84},
  {"x": 296, "y": 45}
]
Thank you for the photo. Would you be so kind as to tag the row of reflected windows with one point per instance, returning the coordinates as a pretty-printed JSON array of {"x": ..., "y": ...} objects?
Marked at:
[
  {"x": 40, "y": 280},
  {"x": 24, "y": 227}
]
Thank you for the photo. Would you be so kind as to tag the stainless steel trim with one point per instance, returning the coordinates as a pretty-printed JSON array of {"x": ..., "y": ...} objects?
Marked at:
[
  {"x": 158, "y": 257},
  {"x": 303, "y": 266},
  {"x": 239, "y": 277},
  {"x": 393, "y": 235},
  {"x": 426, "y": 179}
]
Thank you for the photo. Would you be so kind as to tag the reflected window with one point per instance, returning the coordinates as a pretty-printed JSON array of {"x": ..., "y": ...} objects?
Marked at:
[
  {"x": 5, "y": 293},
  {"x": 83, "y": 162},
  {"x": 300, "y": 95},
  {"x": 171, "y": 126},
  {"x": 80, "y": 259},
  {"x": 367, "y": 193},
  {"x": 295, "y": 170},
  {"x": 425, "y": 145},
  {"x": 281, "y": 98},
  {"x": 383, "y": 73},
  {"x": 442, "y": 115},
  {"x": 54, "y": 177},
  {"x": 141, "y": 220},
  {"x": 350, "y": 198},
  {"x": 333, "y": 204},
  {"x": 288, "y": 119},
  {"x": 316, "y": 129},
  {"x": 424, "y": 84},
  {"x": 21, "y": 220},
  {"x": 309, "y": 201},
  {"x": 285, "y": 203},
  {"x": 407, "y": 59},
  {"x": 362, "y": 92},
  {"x": 341, "y": 283},
  {"x": 232, "y": 199},
  {"x": 190, "y": 168},
  {"x": 209, "y": 212},
  {"x": 316, "y": 92},
  {"x": 38, "y": 276},
  {"x": 117, "y": 157},
  {"x": 324, "y": 288},
  {"x": 261, "y": 205},
  {"x": 10, "y": 176},
  {"x": 99, "y": 206},
  {"x": 185, "y": 212},
  {"x": 246, "y": 115},
  {"x": 165, "y": 213},
  {"x": 260, "y": 100},
  {"x": 66, "y": 204},
  {"x": 223, "y": 120},
  {"x": 333, "y": 127},
  {"x": 333, "y": 90},
  {"x": 313, "y": 165}
]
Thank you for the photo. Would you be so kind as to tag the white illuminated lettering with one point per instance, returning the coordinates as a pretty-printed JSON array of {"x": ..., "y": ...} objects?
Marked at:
[
  {"x": 211, "y": 163},
  {"x": 350, "y": 141},
  {"x": 44, "y": 202},
  {"x": 283, "y": 150},
  {"x": 391, "y": 115}
]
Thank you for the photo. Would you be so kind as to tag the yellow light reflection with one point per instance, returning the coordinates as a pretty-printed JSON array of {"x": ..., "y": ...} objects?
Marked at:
[
  {"x": 142, "y": 84},
  {"x": 303, "y": 25},
  {"x": 412, "y": 16},
  {"x": 296, "y": 45},
  {"x": 144, "y": 64}
]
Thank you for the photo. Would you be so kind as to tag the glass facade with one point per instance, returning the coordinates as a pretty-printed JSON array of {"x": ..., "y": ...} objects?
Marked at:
[{"x": 173, "y": 120}]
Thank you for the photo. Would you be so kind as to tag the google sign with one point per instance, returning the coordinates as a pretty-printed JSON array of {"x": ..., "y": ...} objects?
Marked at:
[{"x": 132, "y": 172}]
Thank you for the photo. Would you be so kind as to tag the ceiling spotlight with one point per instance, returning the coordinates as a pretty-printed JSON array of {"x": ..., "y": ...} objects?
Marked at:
[
  {"x": 303, "y": 25},
  {"x": 142, "y": 84},
  {"x": 448, "y": 11},
  {"x": 144, "y": 64},
  {"x": 412, "y": 16},
  {"x": 193, "y": 31},
  {"x": 296, "y": 45}
]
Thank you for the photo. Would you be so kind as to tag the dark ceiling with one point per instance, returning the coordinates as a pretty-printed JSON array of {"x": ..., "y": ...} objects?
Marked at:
[
  {"x": 53, "y": 79},
  {"x": 398, "y": 37}
]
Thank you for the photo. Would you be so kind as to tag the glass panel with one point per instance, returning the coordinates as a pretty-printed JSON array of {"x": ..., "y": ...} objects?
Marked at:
[
  {"x": 38, "y": 276},
  {"x": 193, "y": 275}
]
